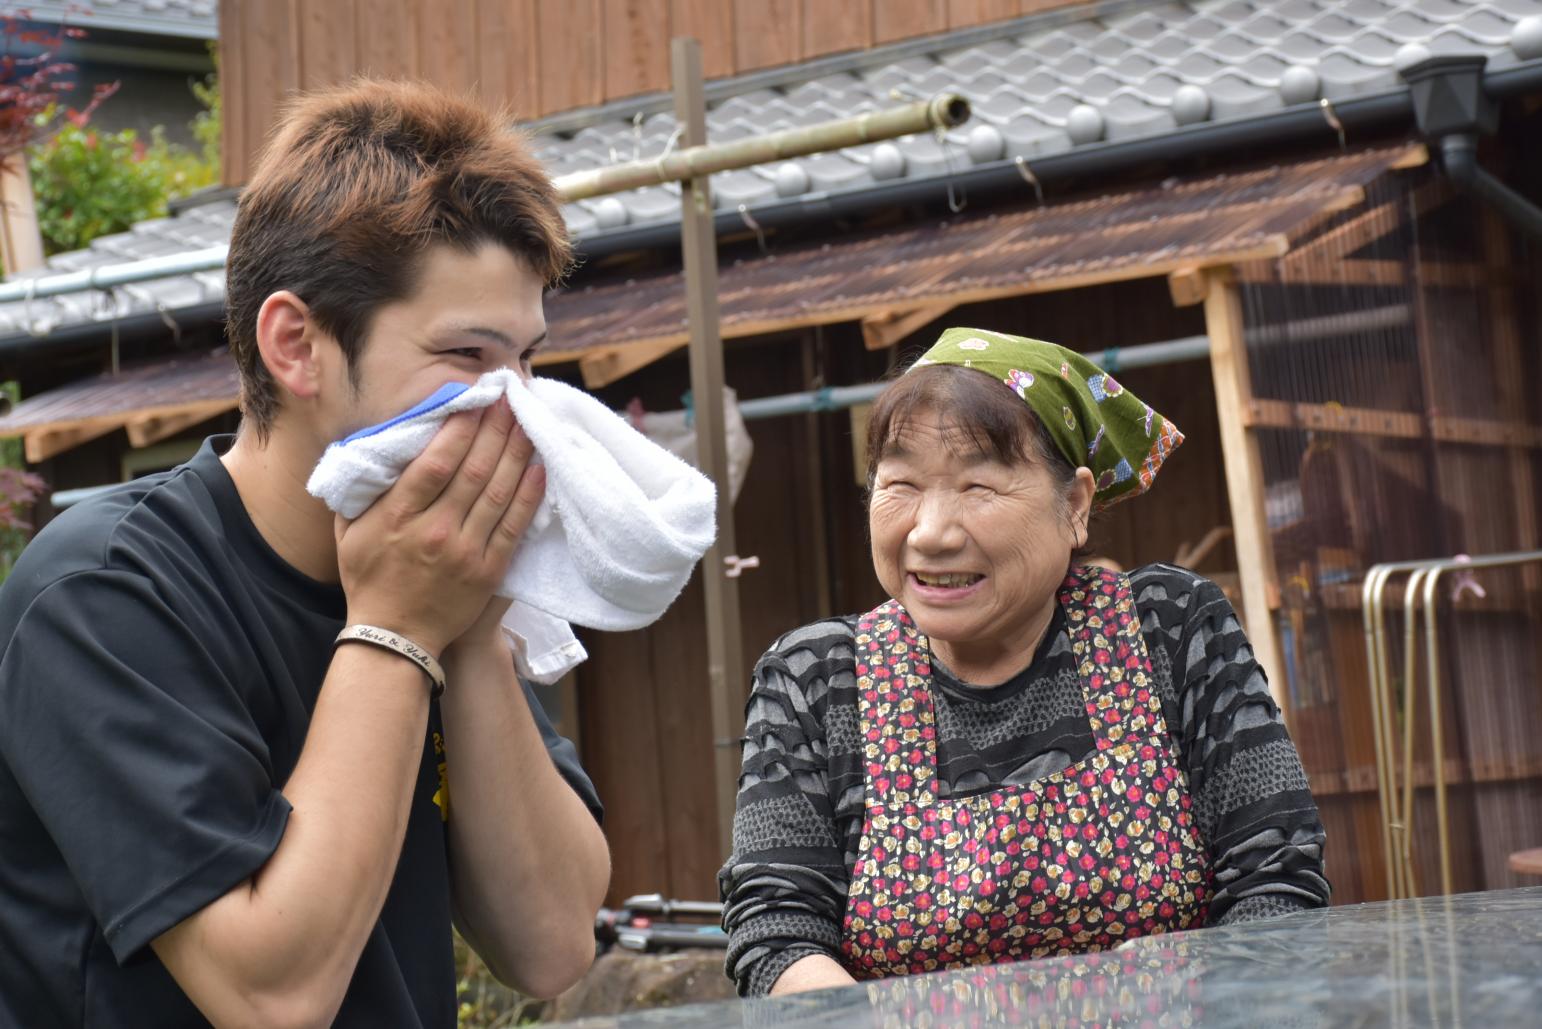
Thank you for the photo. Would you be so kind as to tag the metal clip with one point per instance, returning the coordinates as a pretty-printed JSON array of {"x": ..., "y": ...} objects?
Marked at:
[
  {"x": 26, "y": 311},
  {"x": 1332, "y": 118},
  {"x": 1029, "y": 177},
  {"x": 170, "y": 323},
  {"x": 1463, "y": 582},
  {"x": 750, "y": 223},
  {"x": 738, "y": 565},
  {"x": 957, "y": 198}
]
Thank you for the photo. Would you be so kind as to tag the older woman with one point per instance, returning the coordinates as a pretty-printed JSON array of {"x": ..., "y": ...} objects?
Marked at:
[{"x": 1018, "y": 755}]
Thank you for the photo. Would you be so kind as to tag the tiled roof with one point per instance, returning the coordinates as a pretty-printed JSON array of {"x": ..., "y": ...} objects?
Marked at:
[
  {"x": 1039, "y": 86},
  {"x": 197, "y": 19},
  {"x": 1184, "y": 222},
  {"x": 194, "y": 228},
  {"x": 168, "y": 382},
  {"x": 1043, "y": 86}
]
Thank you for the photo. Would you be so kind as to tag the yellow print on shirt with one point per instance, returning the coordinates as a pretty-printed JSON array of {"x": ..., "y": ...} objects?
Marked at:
[{"x": 442, "y": 795}]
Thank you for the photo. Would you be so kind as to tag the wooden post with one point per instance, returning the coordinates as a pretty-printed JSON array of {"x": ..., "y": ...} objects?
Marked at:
[
  {"x": 21, "y": 244},
  {"x": 812, "y": 457},
  {"x": 1244, "y": 474},
  {"x": 1509, "y": 375},
  {"x": 725, "y": 650}
]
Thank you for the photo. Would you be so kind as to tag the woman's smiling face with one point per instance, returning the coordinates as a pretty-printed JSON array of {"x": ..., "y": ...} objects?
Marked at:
[{"x": 973, "y": 547}]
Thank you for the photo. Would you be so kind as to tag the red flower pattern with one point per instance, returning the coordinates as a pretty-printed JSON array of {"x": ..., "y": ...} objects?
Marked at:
[{"x": 1091, "y": 856}]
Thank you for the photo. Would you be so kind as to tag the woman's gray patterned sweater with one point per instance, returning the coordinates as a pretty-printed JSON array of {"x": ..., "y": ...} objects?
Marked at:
[{"x": 799, "y": 820}]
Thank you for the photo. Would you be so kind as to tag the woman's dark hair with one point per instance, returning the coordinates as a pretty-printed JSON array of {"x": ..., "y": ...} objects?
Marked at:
[{"x": 981, "y": 415}]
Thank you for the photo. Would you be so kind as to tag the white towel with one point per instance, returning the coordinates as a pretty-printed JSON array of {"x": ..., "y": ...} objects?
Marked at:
[{"x": 614, "y": 541}]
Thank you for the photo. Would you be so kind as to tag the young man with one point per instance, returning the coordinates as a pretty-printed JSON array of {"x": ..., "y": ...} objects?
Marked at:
[{"x": 207, "y": 807}]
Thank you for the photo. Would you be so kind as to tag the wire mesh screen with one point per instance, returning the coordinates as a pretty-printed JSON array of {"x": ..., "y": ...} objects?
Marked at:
[{"x": 1394, "y": 356}]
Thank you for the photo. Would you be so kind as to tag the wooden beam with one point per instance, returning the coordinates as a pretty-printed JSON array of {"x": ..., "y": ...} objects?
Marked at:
[
  {"x": 1489, "y": 432},
  {"x": 145, "y": 429},
  {"x": 1189, "y": 557},
  {"x": 547, "y": 355},
  {"x": 1282, "y": 414},
  {"x": 21, "y": 242},
  {"x": 883, "y": 329},
  {"x": 1417, "y": 155},
  {"x": 1244, "y": 474},
  {"x": 603, "y": 366},
  {"x": 727, "y": 684},
  {"x": 1187, "y": 286},
  {"x": 1365, "y": 228},
  {"x": 41, "y": 444},
  {"x": 1370, "y": 421},
  {"x": 1360, "y": 231},
  {"x": 1369, "y": 272}
]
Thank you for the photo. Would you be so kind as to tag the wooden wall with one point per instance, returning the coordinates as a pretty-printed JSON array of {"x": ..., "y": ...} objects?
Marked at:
[
  {"x": 1399, "y": 477},
  {"x": 538, "y": 57}
]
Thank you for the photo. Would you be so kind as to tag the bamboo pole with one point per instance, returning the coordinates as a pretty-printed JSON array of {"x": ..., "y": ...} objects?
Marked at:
[
  {"x": 943, "y": 111},
  {"x": 725, "y": 646}
]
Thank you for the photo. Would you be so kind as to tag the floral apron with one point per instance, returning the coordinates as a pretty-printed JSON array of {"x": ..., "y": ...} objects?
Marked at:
[{"x": 1081, "y": 860}]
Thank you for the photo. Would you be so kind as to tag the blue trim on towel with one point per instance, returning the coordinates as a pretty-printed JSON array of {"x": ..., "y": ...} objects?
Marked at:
[{"x": 441, "y": 396}]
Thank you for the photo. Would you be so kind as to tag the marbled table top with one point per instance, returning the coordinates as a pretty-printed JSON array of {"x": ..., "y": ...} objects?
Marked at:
[{"x": 1471, "y": 960}]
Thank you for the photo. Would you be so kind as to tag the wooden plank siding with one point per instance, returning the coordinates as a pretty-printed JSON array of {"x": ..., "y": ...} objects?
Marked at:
[
  {"x": 384, "y": 40},
  {"x": 766, "y": 33},
  {"x": 539, "y": 57},
  {"x": 894, "y": 20}
]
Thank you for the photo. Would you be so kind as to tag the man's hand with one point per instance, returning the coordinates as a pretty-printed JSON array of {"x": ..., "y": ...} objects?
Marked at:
[{"x": 424, "y": 560}]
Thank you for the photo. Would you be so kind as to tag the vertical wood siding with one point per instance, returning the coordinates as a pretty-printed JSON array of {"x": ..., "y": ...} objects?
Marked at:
[{"x": 537, "y": 57}]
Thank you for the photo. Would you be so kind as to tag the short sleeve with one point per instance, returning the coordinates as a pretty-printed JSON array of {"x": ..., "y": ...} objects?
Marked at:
[
  {"x": 564, "y": 755},
  {"x": 137, "y": 751}
]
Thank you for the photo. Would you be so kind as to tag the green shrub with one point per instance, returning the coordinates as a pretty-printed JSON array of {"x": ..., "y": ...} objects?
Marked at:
[{"x": 90, "y": 183}]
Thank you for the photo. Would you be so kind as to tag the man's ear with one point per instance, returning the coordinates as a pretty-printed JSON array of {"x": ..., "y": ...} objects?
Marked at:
[{"x": 289, "y": 344}]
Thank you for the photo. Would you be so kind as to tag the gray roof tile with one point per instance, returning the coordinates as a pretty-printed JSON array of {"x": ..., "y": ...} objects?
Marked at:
[
  {"x": 1231, "y": 96},
  {"x": 196, "y": 19},
  {"x": 1125, "y": 117},
  {"x": 1028, "y": 137},
  {"x": 730, "y": 189}
]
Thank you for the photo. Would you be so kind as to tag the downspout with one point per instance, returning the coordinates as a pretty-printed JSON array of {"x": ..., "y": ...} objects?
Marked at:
[
  {"x": 1453, "y": 106},
  {"x": 1459, "y": 158}
]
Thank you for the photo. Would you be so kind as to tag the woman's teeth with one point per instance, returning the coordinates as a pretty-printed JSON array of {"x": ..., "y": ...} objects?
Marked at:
[{"x": 948, "y": 581}]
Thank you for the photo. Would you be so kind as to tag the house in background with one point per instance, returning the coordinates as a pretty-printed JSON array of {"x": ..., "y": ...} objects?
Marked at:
[
  {"x": 1230, "y": 200},
  {"x": 151, "y": 48}
]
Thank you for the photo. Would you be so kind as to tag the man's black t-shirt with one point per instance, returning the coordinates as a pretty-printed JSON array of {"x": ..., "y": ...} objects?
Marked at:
[{"x": 159, "y": 664}]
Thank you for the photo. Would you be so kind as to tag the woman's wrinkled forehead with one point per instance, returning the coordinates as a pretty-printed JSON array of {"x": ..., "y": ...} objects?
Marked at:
[{"x": 924, "y": 432}]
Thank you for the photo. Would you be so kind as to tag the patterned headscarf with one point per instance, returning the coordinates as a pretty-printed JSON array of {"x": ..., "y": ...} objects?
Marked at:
[{"x": 1093, "y": 420}]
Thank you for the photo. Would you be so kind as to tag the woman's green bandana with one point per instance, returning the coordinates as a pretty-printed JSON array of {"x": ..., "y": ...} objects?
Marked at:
[{"x": 1094, "y": 421}]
